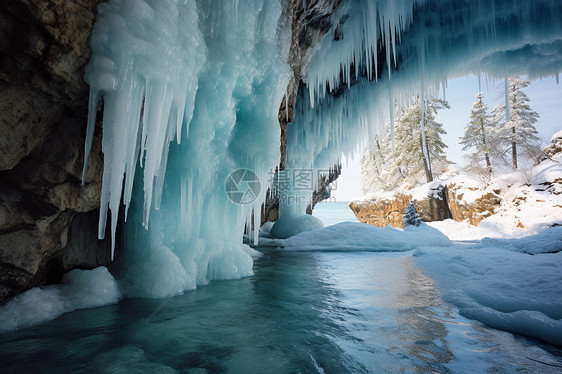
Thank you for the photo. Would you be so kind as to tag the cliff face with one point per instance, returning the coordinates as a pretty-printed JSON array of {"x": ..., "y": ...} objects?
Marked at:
[{"x": 48, "y": 221}]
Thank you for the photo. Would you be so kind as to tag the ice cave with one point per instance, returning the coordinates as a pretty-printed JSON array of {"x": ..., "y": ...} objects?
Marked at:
[{"x": 208, "y": 119}]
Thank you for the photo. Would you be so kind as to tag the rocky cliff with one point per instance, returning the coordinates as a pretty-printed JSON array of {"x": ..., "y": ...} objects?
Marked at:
[{"x": 47, "y": 219}]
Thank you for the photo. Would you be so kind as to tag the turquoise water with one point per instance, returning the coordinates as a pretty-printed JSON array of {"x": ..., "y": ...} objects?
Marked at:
[{"x": 302, "y": 312}]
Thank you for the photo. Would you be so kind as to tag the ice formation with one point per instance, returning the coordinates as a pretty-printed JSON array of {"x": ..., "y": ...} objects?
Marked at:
[
  {"x": 79, "y": 289},
  {"x": 191, "y": 91},
  {"x": 189, "y": 95}
]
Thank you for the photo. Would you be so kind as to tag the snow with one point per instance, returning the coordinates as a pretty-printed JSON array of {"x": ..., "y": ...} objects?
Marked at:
[
  {"x": 500, "y": 287},
  {"x": 548, "y": 171},
  {"x": 548, "y": 241},
  {"x": 350, "y": 236},
  {"x": 556, "y": 136},
  {"x": 79, "y": 289},
  {"x": 510, "y": 284}
]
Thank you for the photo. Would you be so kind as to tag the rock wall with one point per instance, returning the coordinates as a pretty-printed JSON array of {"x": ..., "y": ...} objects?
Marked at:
[
  {"x": 475, "y": 211},
  {"x": 47, "y": 219}
]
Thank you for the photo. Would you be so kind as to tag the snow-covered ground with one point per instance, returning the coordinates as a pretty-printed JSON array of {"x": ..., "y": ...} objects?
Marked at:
[{"x": 501, "y": 287}]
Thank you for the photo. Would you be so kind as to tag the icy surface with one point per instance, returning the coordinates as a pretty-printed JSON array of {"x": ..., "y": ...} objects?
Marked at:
[
  {"x": 288, "y": 226},
  {"x": 79, "y": 289},
  {"x": 500, "y": 287},
  {"x": 189, "y": 95}
]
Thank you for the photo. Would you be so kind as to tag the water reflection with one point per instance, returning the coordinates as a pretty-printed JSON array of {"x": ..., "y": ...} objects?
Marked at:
[{"x": 301, "y": 313}]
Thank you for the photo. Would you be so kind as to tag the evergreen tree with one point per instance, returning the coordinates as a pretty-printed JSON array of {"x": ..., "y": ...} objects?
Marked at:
[
  {"x": 520, "y": 129},
  {"x": 479, "y": 133},
  {"x": 411, "y": 216},
  {"x": 409, "y": 158},
  {"x": 376, "y": 173},
  {"x": 384, "y": 169}
]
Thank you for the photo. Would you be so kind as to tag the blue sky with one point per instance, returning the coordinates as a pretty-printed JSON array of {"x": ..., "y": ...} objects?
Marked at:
[{"x": 546, "y": 99}]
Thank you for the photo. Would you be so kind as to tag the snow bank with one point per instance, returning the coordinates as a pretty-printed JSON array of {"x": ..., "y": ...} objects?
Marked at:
[
  {"x": 350, "y": 236},
  {"x": 493, "y": 283},
  {"x": 79, "y": 289},
  {"x": 548, "y": 241}
]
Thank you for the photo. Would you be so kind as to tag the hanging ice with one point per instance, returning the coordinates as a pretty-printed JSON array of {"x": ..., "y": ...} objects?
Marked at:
[
  {"x": 424, "y": 43},
  {"x": 183, "y": 70}
]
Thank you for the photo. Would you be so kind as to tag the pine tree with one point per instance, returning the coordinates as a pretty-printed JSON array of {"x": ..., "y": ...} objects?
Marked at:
[
  {"x": 519, "y": 130},
  {"x": 411, "y": 216},
  {"x": 384, "y": 169},
  {"x": 376, "y": 173},
  {"x": 409, "y": 158},
  {"x": 479, "y": 133}
]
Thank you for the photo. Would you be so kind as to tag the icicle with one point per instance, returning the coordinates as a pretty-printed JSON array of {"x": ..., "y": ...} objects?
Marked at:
[{"x": 92, "y": 112}]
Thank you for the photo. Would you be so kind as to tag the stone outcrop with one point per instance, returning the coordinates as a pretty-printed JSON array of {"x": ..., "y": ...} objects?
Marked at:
[
  {"x": 382, "y": 212},
  {"x": 309, "y": 22},
  {"x": 475, "y": 211},
  {"x": 442, "y": 202},
  {"x": 47, "y": 218}
]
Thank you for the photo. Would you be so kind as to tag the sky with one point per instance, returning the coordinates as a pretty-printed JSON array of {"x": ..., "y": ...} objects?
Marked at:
[{"x": 545, "y": 98}]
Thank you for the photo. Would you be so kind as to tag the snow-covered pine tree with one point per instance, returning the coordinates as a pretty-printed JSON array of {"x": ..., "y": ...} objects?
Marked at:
[
  {"x": 479, "y": 133},
  {"x": 384, "y": 169},
  {"x": 520, "y": 129},
  {"x": 409, "y": 158},
  {"x": 411, "y": 216},
  {"x": 376, "y": 173}
]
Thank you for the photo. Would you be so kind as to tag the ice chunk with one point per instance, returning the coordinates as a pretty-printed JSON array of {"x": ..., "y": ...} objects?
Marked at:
[{"x": 288, "y": 226}]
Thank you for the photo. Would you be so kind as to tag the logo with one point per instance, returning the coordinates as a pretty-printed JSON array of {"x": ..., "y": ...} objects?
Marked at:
[{"x": 242, "y": 186}]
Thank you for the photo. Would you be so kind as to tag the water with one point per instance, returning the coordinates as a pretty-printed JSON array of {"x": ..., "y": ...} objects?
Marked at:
[
  {"x": 334, "y": 212},
  {"x": 301, "y": 313}
]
